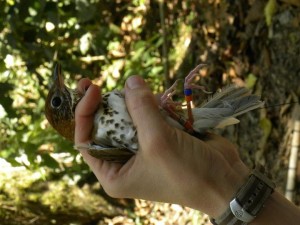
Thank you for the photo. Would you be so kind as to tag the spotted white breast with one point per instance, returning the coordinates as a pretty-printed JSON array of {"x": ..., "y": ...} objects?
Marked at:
[{"x": 113, "y": 126}]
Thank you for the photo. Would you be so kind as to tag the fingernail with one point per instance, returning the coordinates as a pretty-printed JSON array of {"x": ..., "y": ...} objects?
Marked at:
[{"x": 134, "y": 82}]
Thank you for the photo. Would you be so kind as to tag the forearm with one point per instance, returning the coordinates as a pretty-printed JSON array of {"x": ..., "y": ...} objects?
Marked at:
[
  {"x": 220, "y": 187},
  {"x": 277, "y": 211}
]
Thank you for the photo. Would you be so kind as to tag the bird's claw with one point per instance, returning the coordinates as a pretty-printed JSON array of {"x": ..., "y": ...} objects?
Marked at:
[
  {"x": 171, "y": 107},
  {"x": 168, "y": 94},
  {"x": 190, "y": 78}
]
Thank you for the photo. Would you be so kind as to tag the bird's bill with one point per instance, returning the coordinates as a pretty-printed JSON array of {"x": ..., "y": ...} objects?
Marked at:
[{"x": 58, "y": 77}]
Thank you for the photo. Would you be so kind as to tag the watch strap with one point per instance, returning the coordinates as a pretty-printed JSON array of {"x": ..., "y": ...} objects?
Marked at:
[{"x": 249, "y": 199}]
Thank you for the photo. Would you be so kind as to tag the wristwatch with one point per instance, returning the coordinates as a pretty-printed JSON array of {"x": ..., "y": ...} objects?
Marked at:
[{"x": 249, "y": 199}]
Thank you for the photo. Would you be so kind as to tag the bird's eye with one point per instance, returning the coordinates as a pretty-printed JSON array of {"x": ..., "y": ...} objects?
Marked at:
[{"x": 56, "y": 102}]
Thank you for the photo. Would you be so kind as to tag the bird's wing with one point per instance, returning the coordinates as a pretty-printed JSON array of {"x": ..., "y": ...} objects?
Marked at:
[{"x": 108, "y": 153}]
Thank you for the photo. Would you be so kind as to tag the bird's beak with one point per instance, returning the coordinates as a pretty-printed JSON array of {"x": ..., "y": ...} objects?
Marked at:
[{"x": 58, "y": 78}]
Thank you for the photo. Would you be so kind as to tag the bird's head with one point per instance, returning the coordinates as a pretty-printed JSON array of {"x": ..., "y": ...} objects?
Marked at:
[{"x": 60, "y": 105}]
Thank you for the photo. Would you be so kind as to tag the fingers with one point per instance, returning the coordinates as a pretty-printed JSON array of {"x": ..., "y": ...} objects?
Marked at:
[
  {"x": 84, "y": 116},
  {"x": 143, "y": 108},
  {"x": 85, "y": 110},
  {"x": 83, "y": 85}
]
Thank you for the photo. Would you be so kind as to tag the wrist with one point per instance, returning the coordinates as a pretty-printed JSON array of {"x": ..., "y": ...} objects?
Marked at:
[
  {"x": 249, "y": 200},
  {"x": 228, "y": 185},
  {"x": 220, "y": 187}
]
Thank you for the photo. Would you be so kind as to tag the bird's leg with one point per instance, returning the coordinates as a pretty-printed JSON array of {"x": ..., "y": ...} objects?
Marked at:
[
  {"x": 188, "y": 93},
  {"x": 172, "y": 107},
  {"x": 166, "y": 98}
]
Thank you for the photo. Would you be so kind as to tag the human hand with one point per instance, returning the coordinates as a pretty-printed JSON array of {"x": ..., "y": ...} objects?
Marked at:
[{"x": 171, "y": 165}]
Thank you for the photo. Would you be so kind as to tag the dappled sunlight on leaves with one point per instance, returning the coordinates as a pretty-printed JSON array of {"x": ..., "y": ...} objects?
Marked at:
[{"x": 252, "y": 43}]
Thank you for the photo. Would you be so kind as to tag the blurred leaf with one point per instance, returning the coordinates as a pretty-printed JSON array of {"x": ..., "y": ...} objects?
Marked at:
[
  {"x": 6, "y": 101},
  {"x": 49, "y": 161},
  {"x": 266, "y": 126},
  {"x": 85, "y": 9},
  {"x": 115, "y": 29},
  {"x": 250, "y": 81},
  {"x": 270, "y": 10}
]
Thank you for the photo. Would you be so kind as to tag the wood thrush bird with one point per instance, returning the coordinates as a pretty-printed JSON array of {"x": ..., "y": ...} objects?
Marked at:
[{"x": 114, "y": 135}]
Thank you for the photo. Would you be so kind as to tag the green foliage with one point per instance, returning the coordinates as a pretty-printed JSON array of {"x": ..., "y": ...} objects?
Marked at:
[
  {"x": 27, "y": 197},
  {"x": 107, "y": 41},
  {"x": 270, "y": 10},
  {"x": 104, "y": 40}
]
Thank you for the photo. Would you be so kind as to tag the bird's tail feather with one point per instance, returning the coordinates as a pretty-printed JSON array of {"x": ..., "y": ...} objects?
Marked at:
[{"x": 221, "y": 109}]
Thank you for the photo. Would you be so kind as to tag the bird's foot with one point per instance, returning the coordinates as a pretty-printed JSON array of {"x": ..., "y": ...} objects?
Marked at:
[
  {"x": 188, "y": 90},
  {"x": 172, "y": 107},
  {"x": 166, "y": 98},
  {"x": 188, "y": 81}
]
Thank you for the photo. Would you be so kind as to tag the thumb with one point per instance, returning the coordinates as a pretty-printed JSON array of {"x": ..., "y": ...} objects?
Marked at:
[{"x": 143, "y": 109}]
